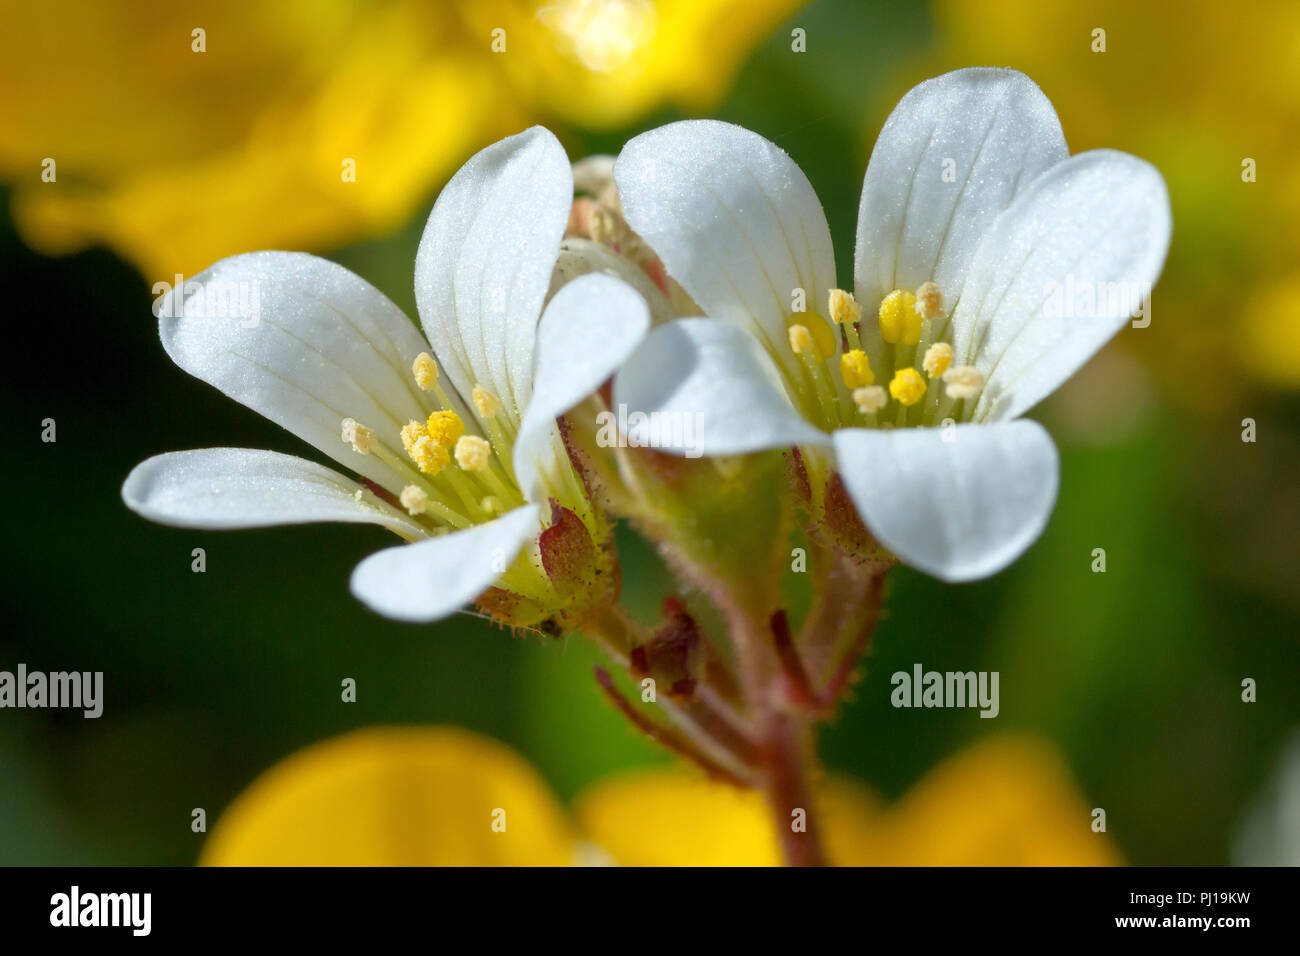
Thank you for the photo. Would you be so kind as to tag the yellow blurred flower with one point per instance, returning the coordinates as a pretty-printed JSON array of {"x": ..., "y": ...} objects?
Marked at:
[
  {"x": 445, "y": 796},
  {"x": 1198, "y": 89},
  {"x": 603, "y": 63},
  {"x": 307, "y": 124}
]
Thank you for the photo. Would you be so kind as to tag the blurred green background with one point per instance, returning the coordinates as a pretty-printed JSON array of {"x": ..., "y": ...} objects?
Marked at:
[{"x": 1135, "y": 674}]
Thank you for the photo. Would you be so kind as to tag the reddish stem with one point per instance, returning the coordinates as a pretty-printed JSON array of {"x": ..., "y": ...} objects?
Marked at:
[
  {"x": 788, "y": 792},
  {"x": 666, "y": 736},
  {"x": 800, "y": 691},
  {"x": 867, "y": 613}
]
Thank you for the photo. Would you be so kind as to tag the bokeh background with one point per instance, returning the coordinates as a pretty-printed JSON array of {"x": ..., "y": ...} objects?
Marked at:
[{"x": 168, "y": 159}]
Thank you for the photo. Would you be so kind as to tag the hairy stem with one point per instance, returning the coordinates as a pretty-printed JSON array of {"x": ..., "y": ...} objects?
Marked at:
[
  {"x": 702, "y": 733},
  {"x": 789, "y": 766},
  {"x": 843, "y": 617}
]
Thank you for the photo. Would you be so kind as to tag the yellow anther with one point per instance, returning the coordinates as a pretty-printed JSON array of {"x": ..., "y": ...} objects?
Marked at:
[
  {"x": 414, "y": 499},
  {"x": 937, "y": 359},
  {"x": 908, "y": 386},
  {"x": 870, "y": 398},
  {"x": 485, "y": 402},
  {"x": 801, "y": 340},
  {"x": 425, "y": 370},
  {"x": 445, "y": 428},
  {"x": 824, "y": 342},
  {"x": 473, "y": 453},
  {"x": 964, "y": 381},
  {"x": 411, "y": 433},
  {"x": 843, "y": 307},
  {"x": 361, "y": 438},
  {"x": 855, "y": 369},
  {"x": 929, "y": 302},
  {"x": 899, "y": 320},
  {"x": 429, "y": 456}
]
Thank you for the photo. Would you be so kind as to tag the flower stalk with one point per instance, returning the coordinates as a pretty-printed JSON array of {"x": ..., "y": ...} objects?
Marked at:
[
  {"x": 789, "y": 793},
  {"x": 739, "y": 689}
]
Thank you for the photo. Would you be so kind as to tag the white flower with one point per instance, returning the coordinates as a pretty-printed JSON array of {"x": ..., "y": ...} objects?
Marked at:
[
  {"x": 979, "y": 240},
  {"x": 334, "y": 361}
]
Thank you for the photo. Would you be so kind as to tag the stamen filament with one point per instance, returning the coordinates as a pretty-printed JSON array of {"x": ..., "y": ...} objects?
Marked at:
[
  {"x": 949, "y": 407},
  {"x": 826, "y": 398},
  {"x": 851, "y": 333},
  {"x": 437, "y": 502},
  {"x": 434, "y": 507},
  {"x": 503, "y": 492},
  {"x": 502, "y": 444},
  {"x": 463, "y": 485}
]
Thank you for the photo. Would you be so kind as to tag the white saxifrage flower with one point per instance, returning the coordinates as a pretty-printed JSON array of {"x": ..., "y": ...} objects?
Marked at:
[
  {"x": 459, "y": 449},
  {"x": 990, "y": 265}
]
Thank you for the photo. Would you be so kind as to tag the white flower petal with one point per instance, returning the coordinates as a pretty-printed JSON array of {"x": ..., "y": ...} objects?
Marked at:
[
  {"x": 960, "y": 502},
  {"x": 589, "y": 329},
  {"x": 319, "y": 344},
  {"x": 951, "y": 156},
  {"x": 712, "y": 390},
  {"x": 485, "y": 260},
  {"x": 248, "y": 488},
  {"x": 1098, "y": 223},
  {"x": 733, "y": 218},
  {"x": 431, "y": 579}
]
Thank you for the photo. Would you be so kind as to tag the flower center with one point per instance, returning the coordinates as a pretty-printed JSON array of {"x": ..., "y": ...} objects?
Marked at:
[
  {"x": 454, "y": 479},
  {"x": 908, "y": 342}
]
